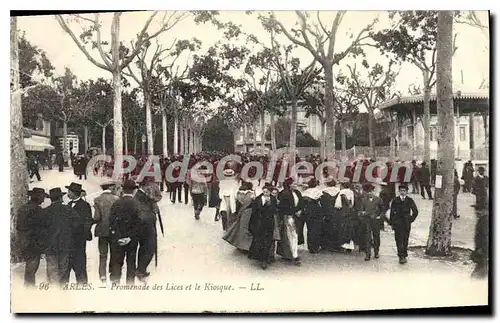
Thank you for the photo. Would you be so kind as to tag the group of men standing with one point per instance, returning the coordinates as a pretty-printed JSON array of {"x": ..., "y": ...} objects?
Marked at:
[{"x": 125, "y": 225}]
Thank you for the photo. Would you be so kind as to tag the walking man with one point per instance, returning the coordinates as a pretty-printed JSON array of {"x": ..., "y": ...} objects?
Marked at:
[
  {"x": 480, "y": 189},
  {"x": 371, "y": 212},
  {"x": 125, "y": 230},
  {"x": 424, "y": 176},
  {"x": 403, "y": 212},
  {"x": 102, "y": 207},
  {"x": 29, "y": 222},
  {"x": 146, "y": 197}
]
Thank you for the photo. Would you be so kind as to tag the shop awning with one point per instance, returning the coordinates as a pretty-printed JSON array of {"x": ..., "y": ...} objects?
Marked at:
[{"x": 30, "y": 144}]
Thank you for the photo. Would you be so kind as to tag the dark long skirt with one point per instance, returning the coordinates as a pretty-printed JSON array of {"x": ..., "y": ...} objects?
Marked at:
[
  {"x": 261, "y": 246},
  {"x": 314, "y": 224}
]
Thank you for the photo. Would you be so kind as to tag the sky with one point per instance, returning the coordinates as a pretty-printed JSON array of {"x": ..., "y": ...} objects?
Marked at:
[{"x": 471, "y": 59}]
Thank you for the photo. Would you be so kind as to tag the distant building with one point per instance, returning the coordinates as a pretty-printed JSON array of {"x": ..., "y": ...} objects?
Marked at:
[
  {"x": 71, "y": 145},
  {"x": 39, "y": 140},
  {"x": 244, "y": 135}
]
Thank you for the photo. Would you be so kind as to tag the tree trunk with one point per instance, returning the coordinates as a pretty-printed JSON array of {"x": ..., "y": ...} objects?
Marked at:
[
  {"x": 103, "y": 138},
  {"x": 273, "y": 132},
  {"x": 439, "y": 242},
  {"x": 135, "y": 143},
  {"x": 329, "y": 114},
  {"x": 18, "y": 173},
  {"x": 86, "y": 138},
  {"x": 66, "y": 152},
  {"x": 117, "y": 95},
  {"x": 371, "y": 137},
  {"x": 176, "y": 135},
  {"x": 165, "y": 133},
  {"x": 262, "y": 131},
  {"x": 125, "y": 142},
  {"x": 182, "y": 134},
  {"x": 343, "y": 140},
  {"x": 192, "y": 146},
  {"x": 149, "y": 123},
  {"x": 293, "y": 133},
  {"x": 254, "y": 134},
  {"x": 322, "y": 150},
  {"x": 427, "y": 118}
]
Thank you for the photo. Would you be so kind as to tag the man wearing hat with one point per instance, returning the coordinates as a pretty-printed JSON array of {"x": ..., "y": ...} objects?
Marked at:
[
  {"x": 62, "y": 226},
  {"x": 125, "y": 230},
  {"x": 102, "y": 206},
  {"x": 403, "y": 212},
  {"x": 146, "y": 198},
  {"x": 370, "y": 213},
  {"x": 79, "y": 254},
  {"x": 29, "y": 221},
  {"x": 480, "y": 189}
]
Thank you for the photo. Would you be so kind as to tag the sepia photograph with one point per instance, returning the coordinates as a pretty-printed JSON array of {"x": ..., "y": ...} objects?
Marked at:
[{"x": 249, "y": 161}]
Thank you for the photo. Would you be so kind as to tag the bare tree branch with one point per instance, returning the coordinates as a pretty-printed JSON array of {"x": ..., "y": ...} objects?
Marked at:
[{"x": 66, "y": 28}]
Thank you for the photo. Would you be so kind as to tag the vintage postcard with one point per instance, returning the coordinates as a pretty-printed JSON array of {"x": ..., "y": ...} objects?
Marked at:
[{"x": 249, "y": 161}]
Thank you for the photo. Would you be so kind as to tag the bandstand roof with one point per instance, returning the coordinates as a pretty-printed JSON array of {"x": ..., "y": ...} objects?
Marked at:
[{"x": 467, "y": 102}]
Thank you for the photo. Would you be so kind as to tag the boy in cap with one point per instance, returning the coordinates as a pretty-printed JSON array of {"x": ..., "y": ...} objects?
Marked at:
[
  {"x": 403, "y": 212},
  {"x": 102, "y": 207},
  {"x": 29, "y": 221},
  {"x": 370, "y": 213}
]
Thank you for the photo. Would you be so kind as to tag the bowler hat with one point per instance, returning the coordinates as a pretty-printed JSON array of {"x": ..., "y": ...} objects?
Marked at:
[
  {"x": 36, "y": 191},
  {"x": 108, "y": 185},
  {"x": 56, "y": 193},
  {"x": 129, "y": 184},
  {"x": 75, "y": 187}
]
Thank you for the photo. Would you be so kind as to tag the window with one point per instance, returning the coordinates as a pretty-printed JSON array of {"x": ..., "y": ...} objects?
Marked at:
[{"x": 462, "y": 133}]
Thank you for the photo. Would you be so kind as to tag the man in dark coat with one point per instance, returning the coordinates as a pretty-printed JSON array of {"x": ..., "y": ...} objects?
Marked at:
[
  {"x": 468, "y": 176},
  {"x": 102, "y": 207},
  {"x": 261, "y": 226},
  {"x": 371, "y": 210},
  {"x": 148, "y": 210},
  {"x": 29, "y": 222},
  {"x": 61, "y": 226},
  {"x": 33, "y": 167},
  {"x": 78, "y": 256},
  {"x": 480, "y": 189},
  {"x": 403, "y": 212},
  {"x": 125, "y": 230},
  {"x": 424, "y": 176}
]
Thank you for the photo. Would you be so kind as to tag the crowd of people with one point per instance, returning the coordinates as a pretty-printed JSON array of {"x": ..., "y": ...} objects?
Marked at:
[{"x": 262, "y": 216}]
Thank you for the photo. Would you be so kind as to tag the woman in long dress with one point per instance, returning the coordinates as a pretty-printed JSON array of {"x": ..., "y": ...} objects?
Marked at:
[
  {"x": 313, "y": 216},
  {"x": 333, "y": 218},
  {"x": 238, "y": 234},
  {"x": 261, "y": 227},
  {"x": 289, "y": 208},
  {"x": 227, "y": 195}
]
